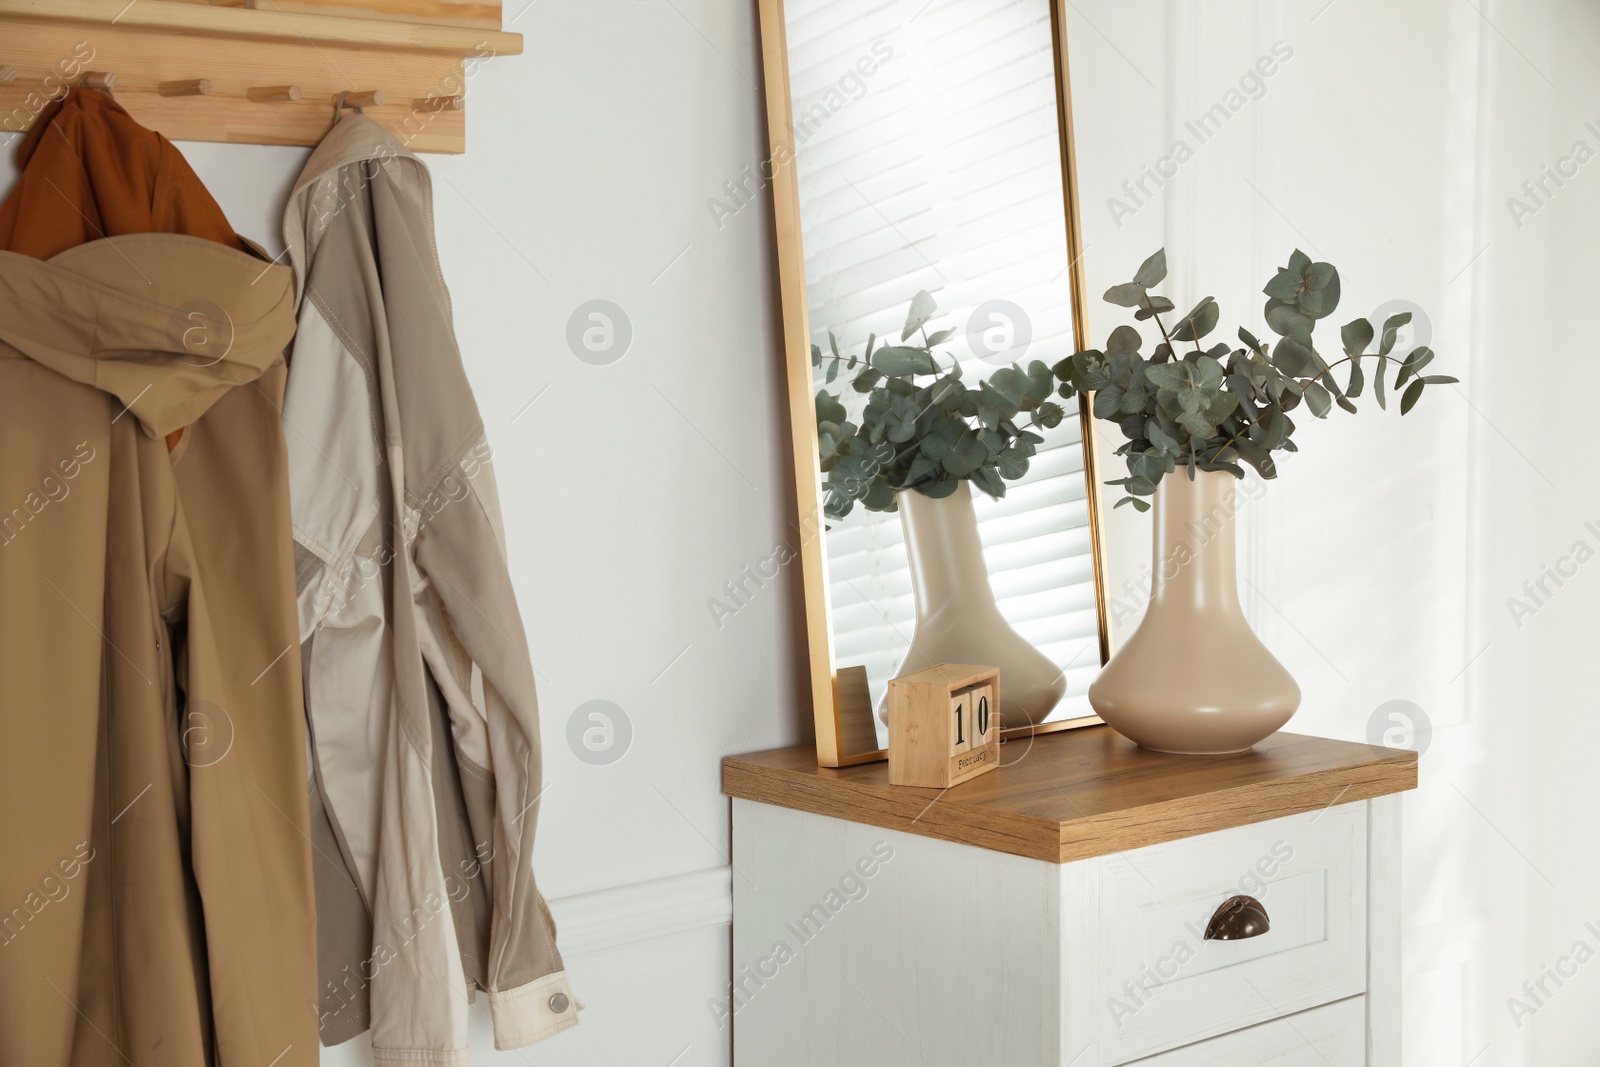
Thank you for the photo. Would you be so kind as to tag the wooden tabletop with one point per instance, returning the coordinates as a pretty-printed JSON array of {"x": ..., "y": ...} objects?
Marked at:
[{"x": 1081, "y": 793}]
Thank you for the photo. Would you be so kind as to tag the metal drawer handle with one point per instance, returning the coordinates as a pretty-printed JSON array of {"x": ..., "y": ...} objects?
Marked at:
[{"x": 1238, "y": 918}]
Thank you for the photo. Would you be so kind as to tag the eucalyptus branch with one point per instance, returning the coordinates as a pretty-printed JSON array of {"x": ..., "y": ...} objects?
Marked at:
[
  {"x": 937, "y": 434},
  {"x": 1165, "y": 336},
  {"x": 1186, "y": 403},
  {"x": 1339, "y": 362},
  {"x": 1223, "y": 448}
]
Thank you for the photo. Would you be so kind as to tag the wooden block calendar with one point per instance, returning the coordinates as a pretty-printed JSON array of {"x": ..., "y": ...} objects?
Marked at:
[{"x": 944, "y": 725}]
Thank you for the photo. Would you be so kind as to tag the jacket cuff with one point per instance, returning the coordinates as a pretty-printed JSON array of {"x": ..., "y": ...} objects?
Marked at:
[
  {"x": 527, "y": 1014},
  {"x": 399, "y": 1057}
]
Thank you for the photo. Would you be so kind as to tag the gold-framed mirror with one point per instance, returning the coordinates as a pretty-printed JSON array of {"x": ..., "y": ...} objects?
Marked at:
[{"x": 930, "y": 265}]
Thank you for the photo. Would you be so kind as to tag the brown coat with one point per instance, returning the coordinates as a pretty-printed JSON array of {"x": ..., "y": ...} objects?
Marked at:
[
  {"x": 156, "y": 892},
  {"x": 89, "y": 171}
]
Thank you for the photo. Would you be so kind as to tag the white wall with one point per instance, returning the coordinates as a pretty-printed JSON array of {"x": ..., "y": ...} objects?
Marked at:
[
  {"x": 1379, "y": 565},
  {"x": 632, "y": 491}
]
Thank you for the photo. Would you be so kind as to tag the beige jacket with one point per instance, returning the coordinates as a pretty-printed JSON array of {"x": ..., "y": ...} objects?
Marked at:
[
  {"x": 155, "y": 876},
  {"x": 419, "y": 689}
]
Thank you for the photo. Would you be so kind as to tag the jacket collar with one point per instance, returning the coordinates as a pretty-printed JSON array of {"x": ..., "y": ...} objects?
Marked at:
[{"x": 329, "y": 184}]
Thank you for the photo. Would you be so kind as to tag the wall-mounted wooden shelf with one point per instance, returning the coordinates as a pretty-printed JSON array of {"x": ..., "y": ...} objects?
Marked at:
[{"x": 160, "y": 49}]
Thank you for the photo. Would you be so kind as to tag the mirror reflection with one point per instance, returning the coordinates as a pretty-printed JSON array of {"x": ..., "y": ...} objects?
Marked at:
[{"x": 933, "y": 218}]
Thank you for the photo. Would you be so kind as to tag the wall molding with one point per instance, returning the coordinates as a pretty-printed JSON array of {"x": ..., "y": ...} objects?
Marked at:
[{"x": 645, "y": 911}]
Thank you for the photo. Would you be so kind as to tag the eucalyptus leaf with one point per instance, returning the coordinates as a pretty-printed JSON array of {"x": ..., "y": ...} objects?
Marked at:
[
  {"x": 1285, "y": 285},
  {"x": 1128, "y": 294},
  {"x": 1286, "y": 320},
  {"x": 1412, "y": 394},
  {"x": 1123, "y": 340},
  {"x": 1199, "y": 322},
  {"x": 1153, "y": 306},
  {"x": 1012, "y": 464},
  {"x": 1295, "y": 359},
  {"x": 1278, "y": 427},
  {"x": 1356, "y": 335},
  {"x": 829, "y": 409},
  {"x": 922, "y": 309},
  {"x": 1258, "y": 457},
  {"x": 1152, "y": 271},
  {"x": 966, "y": 456},
  {"x": 1357, "y": 379},
  {"x": 1148, "y": 467},
  {"x": 879, "y": 497},
  {"x": 1160, "y": 436},
  {"x": 989, "y": 481},
  {"x": 1391, "y": 331},
  {"x": 1107, "y": 402},
  {"x": 1419, "y": 358},
  {"x": 901, "y": 362},
  {"x": 865, "y": 379},
  {"x": 921, "y": 467}
]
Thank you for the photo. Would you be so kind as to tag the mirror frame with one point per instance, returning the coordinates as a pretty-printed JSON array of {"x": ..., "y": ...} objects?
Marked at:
[{"x": 800, "y": 381}]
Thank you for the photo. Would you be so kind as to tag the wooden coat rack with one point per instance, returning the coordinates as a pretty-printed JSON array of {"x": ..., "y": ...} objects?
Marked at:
[{"x": 233, "y": 71}]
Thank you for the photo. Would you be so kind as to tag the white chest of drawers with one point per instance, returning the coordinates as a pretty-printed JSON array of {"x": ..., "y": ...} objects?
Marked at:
[{"x": 1054, "y": 912}]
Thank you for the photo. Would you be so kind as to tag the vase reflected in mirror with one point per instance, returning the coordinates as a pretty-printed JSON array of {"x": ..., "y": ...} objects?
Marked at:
[{"x": 957, "y": 618}]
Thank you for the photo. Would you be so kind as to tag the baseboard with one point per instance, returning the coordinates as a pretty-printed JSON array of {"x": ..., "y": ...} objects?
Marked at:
[{"x": 627, "y": 915}]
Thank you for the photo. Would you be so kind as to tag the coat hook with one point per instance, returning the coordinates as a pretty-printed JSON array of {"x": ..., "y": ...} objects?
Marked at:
[
  {"x": 271, "y": 94},
  {"x": 359, "y": 100},
  {"x": 104, "y": 80},
  {"x": 438, "y": 103},
  {"x": 192, "y": 87}
]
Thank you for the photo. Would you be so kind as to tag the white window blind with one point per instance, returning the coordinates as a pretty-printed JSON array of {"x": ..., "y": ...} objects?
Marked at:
[{"x": 939, "y": 168}]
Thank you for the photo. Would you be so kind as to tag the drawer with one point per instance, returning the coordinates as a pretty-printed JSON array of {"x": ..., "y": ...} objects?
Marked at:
[
  {"x": 1139, "y": 937},
  {"x": 1330, "y": 1036}
]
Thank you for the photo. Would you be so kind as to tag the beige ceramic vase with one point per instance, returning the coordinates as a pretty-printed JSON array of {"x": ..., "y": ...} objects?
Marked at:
[
  {"x": 958, "y": 620},
  {"x": 1194, "y": 678}
]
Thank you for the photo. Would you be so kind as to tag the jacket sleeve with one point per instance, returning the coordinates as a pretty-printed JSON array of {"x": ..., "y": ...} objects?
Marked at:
[{"x": 473, "y": 640}]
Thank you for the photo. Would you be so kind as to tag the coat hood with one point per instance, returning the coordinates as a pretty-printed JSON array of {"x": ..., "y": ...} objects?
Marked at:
[
  {"x": 120, "y": 270},
  {"x": 164, "y": 322}
]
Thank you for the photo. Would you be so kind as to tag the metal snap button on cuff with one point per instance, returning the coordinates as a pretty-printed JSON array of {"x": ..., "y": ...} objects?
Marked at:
[{"x": 559, "y": 1003}]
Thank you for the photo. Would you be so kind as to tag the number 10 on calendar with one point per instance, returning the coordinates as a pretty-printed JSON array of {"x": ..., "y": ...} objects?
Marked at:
[{"x": 944, "y": 725}]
